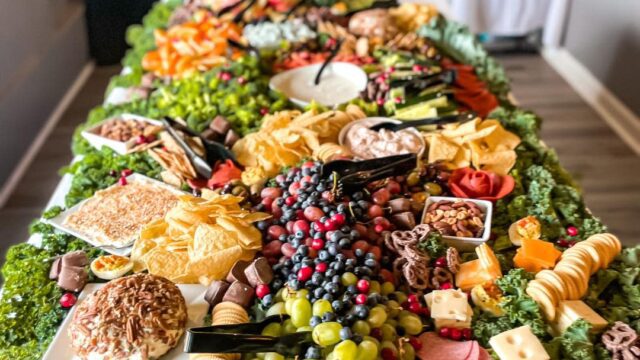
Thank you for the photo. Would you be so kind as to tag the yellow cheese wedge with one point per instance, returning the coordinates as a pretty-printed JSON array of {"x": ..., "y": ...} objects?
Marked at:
[{"x": 472, "y": 273}]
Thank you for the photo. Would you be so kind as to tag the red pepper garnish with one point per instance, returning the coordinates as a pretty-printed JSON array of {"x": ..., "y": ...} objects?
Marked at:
[{"x": 223, "y": 173}]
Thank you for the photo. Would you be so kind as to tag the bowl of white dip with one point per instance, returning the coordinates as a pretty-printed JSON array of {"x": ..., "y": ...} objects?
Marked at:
[
  {"x": 339, "y": 83},
  {"x": 366, "y": 144}
]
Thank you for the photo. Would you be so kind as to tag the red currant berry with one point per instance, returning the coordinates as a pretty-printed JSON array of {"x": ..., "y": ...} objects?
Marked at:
[
  {"x": 412, "y": 298},
  {"x": 122, "y": 181},
  {"x": 126, "y": 172},
  {"x": 415, "y": 343},
  {"x": 290, "y": 200},
  {"x": 317, "y": 244},
  {"x": 456, "y": 334},
  {"x": 262, "y": 290},
  {"x": 305, "y": 273},
  {"x": 446, "y": 286},
  {"x": 68, "y": 300},
  {"x": 415, "y": 308},
  {"x": 444, "y": 332},
  {"x": 339, "y": 218},
  {"x": 467, "y": 334},
  {"x": 441, "y": 262},
  {"x": 572, "y": 231},
  {"x": 361, "y": 299},
  {"x": 378, "y": 228},
  {"x": 321, "y": 267},
  {"x": 363, "y": 286}
]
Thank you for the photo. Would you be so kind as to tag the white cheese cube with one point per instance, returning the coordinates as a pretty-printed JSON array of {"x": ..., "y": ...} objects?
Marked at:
[
  {"x": 448, "y": 304},
  {"x": 518, "y": 344}
]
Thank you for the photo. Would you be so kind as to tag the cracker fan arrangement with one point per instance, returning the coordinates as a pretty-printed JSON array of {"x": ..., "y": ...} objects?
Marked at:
[{"x": 334, "y": 180}]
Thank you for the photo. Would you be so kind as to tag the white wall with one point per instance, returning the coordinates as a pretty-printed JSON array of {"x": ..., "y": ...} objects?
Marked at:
[{"x": 43, "y": 47}]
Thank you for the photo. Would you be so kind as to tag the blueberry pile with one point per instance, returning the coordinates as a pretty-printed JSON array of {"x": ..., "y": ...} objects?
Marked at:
[{"x": 331, "y": 275}]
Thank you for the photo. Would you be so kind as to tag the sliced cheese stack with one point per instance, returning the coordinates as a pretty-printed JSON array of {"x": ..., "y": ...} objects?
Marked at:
[
  {"x": 569, "y": 280},
  {"x": 535, "y": 255},
  {"x": 449, "y": 308},
  {"x": 518, "y": 344},
  {"x": 570, "y": 311},
  {"x": 477, "y": 272}
]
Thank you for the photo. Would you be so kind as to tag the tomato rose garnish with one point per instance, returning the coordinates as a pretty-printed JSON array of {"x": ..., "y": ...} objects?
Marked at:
[
  {"x": 479, "y": 184},
  {"x": 224, "y": 173}
]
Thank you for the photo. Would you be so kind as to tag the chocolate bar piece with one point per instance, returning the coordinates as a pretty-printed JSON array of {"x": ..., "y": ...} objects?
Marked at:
[
  {"x": 75, "y": 258},
  {"x": 231, "y": 138},
  {"x": 237, "y": 272},
  {"x": 72, "y": 278},
  {"x": 220, "y": 125},
  {"x": 259, "y": 272},
  {"x": 399, "y": 205},
  {"x": 56, "y": 266},
  {"x": 404, "y": 220},
  {"x": 215, "y": 292},
  {"x": 239, "y": 293}
]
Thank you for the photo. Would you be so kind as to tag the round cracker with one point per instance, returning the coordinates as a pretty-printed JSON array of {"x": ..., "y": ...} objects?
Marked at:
[
  {"x": 555, "y": 281},
  {"x": 544, "y": 301},
  {"x": 585, "y": 253},
  {"x": 571, "y": 289},
  {"x": 573, "y": 280},
  {"x": 556, "y": 293}
]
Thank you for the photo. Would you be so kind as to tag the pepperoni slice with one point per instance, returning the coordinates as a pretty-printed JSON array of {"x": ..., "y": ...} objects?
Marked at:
[{"x": 435, "y": 347}]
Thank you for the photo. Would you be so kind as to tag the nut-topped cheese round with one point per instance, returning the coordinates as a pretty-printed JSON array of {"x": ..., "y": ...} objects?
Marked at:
[{"x": 140, "y": 316}]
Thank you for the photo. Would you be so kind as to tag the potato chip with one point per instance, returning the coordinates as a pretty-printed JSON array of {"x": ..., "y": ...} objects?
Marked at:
[
  {"x": 484, "y": 144},
  {"x": 168, "y": 264},
  {"x": 199, "y": 239}
]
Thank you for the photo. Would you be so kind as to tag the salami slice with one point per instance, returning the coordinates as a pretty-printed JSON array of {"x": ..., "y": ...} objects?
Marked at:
[
  {"x": 435, "y": 347},
  {"x": 474, "y": 353},
  {"x": 484, "y": 354}
]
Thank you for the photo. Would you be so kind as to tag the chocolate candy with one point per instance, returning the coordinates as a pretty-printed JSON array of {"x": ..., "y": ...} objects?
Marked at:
[
  {"x": 75, "y": 258},
  {"x": 259, "y": 272},
  {"x": 237, "y": 272},
  {"x": 239, "y": 293},
  {"x": 72, "y": 278},
  {"x": 56, "y": 266},
  {"x": 231, "y": 138},
  {"x": 220, "y": 125},
  {"x": 215, "y": 292},
  {"x": 399, "y": 205},
  {"x": 404, "y": 220}
]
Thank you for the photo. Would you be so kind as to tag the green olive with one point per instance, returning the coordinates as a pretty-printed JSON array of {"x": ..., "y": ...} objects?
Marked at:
[
  {"x": 433, "y": 188},
  {"x": 413, "y": 178}
]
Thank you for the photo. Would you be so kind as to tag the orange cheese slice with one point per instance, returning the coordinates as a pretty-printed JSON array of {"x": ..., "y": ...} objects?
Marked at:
[
  {"x": 540, "y": 251},
  {"x": 472, "y": 273},
  {"x": 524, "y": 262}
]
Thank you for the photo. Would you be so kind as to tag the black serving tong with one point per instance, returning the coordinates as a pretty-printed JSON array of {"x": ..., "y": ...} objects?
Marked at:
[
  {"x": 420, "y": 83},
  {"x": 246, "y": 338},
  {"x": 440, "y": 120},
  {"x": 354, "y": 175},
  {"x": 382, "y": 4},
  {"x": 333, "y": 54},
  {"x": 213, "y": 150}
]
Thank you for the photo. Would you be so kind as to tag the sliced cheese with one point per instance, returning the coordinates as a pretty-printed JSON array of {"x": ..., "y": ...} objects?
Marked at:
[
  {"x": 489, "y": 260},
  {"x": 527, "y": 263},
  {"x": 449, "y": 305},
  {"x": 518, "y": 344},
  {"x": 471, "y": 274},
  {"x": 541, "y": 251},
  {"x": 571, "y": 310}
]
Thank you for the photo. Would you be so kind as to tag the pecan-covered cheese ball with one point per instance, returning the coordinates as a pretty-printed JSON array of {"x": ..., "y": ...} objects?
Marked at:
[{"x": 140, "y": 316}]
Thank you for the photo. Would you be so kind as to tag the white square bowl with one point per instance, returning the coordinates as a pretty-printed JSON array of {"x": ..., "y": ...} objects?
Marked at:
[
  {"x": 124, "y": 250},
  {"x": 121, "y": 147},
  {"x": 464, "y": 243}
]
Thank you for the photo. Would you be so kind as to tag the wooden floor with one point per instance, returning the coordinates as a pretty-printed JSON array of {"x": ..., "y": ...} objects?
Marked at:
[{"x": 607, "y": 169}]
